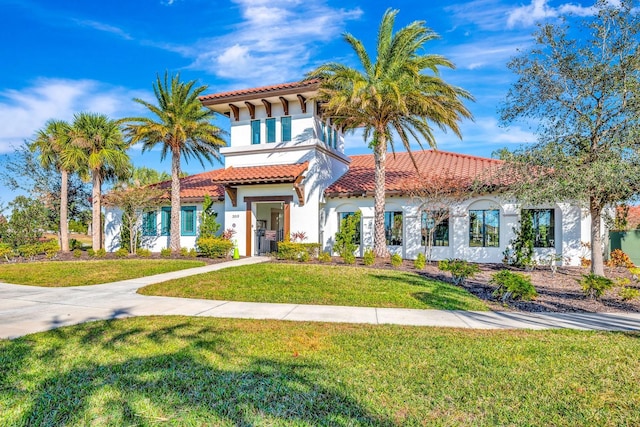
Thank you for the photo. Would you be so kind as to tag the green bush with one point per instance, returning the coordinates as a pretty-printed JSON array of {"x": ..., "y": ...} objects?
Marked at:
[
  {"x": 304, "y": 257},
  {"x": 595, "y": 286},
  {"x": 101, "y": 253},
  {"x": 122, "y": 253},
  {"x": 77, "y": 253},
  {"x": 91, "y": 252},
  {"x": 214, "y": 247},
  {"x": 75, "y": 244},
  {"x": 165, "y": 253},
  {"x": 460, "y": 269},
  {"x": 368, "y": 258},
  {"x": 396, "y": 260},
  {"x": 6, "y": 251},
  {"x": 50, "y": 248},
  {"x": 30, "y": 250},
  {"x": 192, "y": 253},
  {"x": 349, "y": 258},
  {"x": 513, "y": 286},
  {"x": 420, "y": 262},
  {"x": 628, "y": 294},
  {"x": 143, "y": 252},
  {"x": 324, "y": 257},
  {"x": 294, "y": 250},
  {"x": 184, "y": 251}
]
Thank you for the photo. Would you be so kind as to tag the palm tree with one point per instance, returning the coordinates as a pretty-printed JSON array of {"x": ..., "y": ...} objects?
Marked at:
[
  {"x": 52, "y": 142},
  {"x": 183, "y": 127},
  {"x": 400, "y": 93},
  {"x": 98, "y": 145}
]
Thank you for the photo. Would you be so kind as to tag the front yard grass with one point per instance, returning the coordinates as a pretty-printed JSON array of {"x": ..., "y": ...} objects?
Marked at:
[
  {"x": 81, "y": 273},
  {"x": 320, "y": 284},
  {"x": 194, "y": 371}
]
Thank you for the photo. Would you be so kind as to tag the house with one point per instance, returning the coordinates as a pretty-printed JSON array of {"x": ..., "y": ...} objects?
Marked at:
[{"x": 286, "y": 171}]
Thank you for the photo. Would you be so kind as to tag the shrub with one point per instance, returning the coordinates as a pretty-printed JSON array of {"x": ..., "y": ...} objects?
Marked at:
[
  {"x": 324, "y": 257},
  {"x": 294, "y": 250},
  {"x": 184, "y": 251},
  {"x": 369, "y": 257},
  {"x": 101, "y": 253},
  {"x": 122, "y": 253},
  {"x": 50, "y": 248},
  {"x": 214, "y": 247},
  {"x": 192, "y": 253},
  {"x": 304, "y": 257},
  {"x": 513, "y": 286},
  {"x": 165, "y": 252},
  {"x": 460, "y": 269},
  {"x": 396, "y": 260},
  {"x": 594, "y": 286},
  {"x": 349, "y": 258},
  {"x": 75, "y": 244},
  {"x": 6, "y": 251},
  {"x": 420, "y": 262},
  {"x": 619, "y": 259},
  {"x": 30, "y": 250},
  {"x": 91, "y": 252},
  {"x": 143, "y": 252},
  {"x": 346, "y": 237},
  {"x": 628, "y": 294},
  {"x": 77, "y": 253}
]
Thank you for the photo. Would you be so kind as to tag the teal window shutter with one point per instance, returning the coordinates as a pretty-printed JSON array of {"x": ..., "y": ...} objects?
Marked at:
[
  {"x": 149, "y": 223},
  {"x": 285, "y": 123},
  {"x": 188, "y": 221},
  {"x": 255, "y": 131},
  {"x": 165, "y": 221},
  {"x": 271, "y": 130}
]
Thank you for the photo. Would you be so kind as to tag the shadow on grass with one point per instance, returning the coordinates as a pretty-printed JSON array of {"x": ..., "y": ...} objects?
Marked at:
[{"x": 180, "y": 386}]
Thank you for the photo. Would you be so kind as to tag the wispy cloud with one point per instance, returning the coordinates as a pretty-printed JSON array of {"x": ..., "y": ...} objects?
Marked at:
[
  {"x": 485, "y": 14},
  {"x": 273, "y": 42},
  {"x": 539, "y": 10},
  {"x": 492, "y": 51},
  {"x": 23, "y": 112},
  {"x": 104, "y": 27}
]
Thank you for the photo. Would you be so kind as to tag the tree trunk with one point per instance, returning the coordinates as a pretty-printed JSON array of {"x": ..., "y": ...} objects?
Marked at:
[
  {"x": 64, "y": 211},
  {"x": 597, "y": 262},
  {"x": 96, "y": 228},
  {"x": 174, "y": 240},
  {"x": 379, "y": 238}
]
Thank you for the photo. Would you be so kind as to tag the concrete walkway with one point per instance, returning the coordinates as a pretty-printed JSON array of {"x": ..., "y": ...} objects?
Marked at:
[{"x": 29, "y": 309}]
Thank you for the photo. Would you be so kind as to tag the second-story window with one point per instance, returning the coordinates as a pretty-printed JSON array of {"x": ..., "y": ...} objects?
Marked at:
[
  {"x": 285, "y": 122},
  {"x": 255, "y": 131},
  {"x": 271, "y": 130}
]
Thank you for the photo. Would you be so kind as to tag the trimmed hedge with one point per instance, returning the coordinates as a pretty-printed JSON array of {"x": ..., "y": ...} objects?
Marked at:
[
  {"x": 214, "y": 247},
  {"x": 295, "y": 250}
]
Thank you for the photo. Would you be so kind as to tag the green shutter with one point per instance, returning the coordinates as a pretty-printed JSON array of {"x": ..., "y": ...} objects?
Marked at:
[
  {"x": 271, "y": 130},
  {"x": 149, "y": 224},
  {"x": 165, "y": 221},
  {"x": 285, "y": 122},
  {"x": 255, "y": 131},
  {"x": 188, "y": 221}
]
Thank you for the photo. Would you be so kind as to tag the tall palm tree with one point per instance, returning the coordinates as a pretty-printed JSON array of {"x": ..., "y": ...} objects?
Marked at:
[
  {"x": 98, "y": 144},
  {"x": 183, "y": 127},
  {"x": 401, "y": 93},
  {"x": 52, "y": 142}
]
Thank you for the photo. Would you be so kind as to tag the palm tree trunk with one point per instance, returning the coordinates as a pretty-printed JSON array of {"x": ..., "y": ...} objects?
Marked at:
[
  {"x": 96, "y": 227},
  {"x": 174, "y": 240},
  {"x": 597, "y": 262},
  {"x": 380, "y": 158},
  {"x": 64, "y": 211}
]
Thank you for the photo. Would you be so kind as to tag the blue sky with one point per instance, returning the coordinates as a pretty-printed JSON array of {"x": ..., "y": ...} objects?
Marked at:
[{"x": 62, "y": 57}]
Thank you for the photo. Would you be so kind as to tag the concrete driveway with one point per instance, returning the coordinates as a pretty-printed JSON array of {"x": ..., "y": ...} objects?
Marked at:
[{"x": 29, "y": 309}]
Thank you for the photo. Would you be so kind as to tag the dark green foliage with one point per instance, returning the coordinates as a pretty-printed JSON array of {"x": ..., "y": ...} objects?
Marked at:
[
  {"x": 209, "y": 225},
  {"x": 75, "y": 244},
  {"x": 27, "y": 222},
  {"x": 513, "y": 286},
  {"x": 396, "y": 260},
  {"x": 294, "y": 250},
  {"x": 595, "y": 286},
  {"x": 522, "y": 243},
  {"x": 369, "y": 257},
  {"x": 420, "y": 261},
  {"x": 460, "y": 269},
  {"x": 214, "y": 247},
  {"x": 78, "y": 227},
  {"x": 346, "y": 236}
]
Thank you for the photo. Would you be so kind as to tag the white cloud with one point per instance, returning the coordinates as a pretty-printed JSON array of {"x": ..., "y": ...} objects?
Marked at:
[
  {"x": 23, "y": 112},
  {"x": 538, "y": 10},
  {"x": 273, "y": 41},
  {"x": 492, "y": 51},
  {"x": 104, "y": 27}
]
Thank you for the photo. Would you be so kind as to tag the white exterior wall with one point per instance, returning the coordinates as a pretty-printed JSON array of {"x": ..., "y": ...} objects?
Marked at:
[{"x": 570, "y": 228}]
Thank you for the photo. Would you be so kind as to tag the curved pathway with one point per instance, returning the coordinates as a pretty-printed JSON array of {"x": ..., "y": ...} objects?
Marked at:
[{"x": 29, "y": 309}]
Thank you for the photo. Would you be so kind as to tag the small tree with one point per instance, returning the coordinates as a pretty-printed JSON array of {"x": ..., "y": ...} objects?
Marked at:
[
  {"x": 133, "y": 201},
  {"x": 27, "y": 222},
  {"x": 346, "y": 242},
  {"x": 209, "y": 225},
  {"x": 522, "y": 243}
]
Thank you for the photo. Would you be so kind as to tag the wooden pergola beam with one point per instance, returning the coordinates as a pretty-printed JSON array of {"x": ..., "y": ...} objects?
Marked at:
[
  {"x": 303, "y": 103},
  {"x": 267, "y": 106},
  {"x": 285, "y": 105},
  {"x": 236, "y": 112},
  {"x": 252, "y": 109}
]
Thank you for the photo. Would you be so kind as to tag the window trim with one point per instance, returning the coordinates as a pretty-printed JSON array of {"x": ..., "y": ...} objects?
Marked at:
[
  {"x": 165, "y": 221},
  {"x": 551, "y": 238},
  {"x": 443, "y": 224},
  {"x": 270, "y": 124},
  {"x": 183, "y": 211},
  {"x": 256, "y": 138},
  {"x": 388, "y": 231},
  {"x": 483, "y": 231},
  {"x": 285, "y": 128}
]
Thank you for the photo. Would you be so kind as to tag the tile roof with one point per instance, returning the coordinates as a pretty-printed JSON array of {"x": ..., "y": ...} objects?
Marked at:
[
  {"x": 309, "y": 84},
  {"x": 197, "y": 186},
  {"x": 401, "y": 174},
  {"x": 260, "y": 174}
]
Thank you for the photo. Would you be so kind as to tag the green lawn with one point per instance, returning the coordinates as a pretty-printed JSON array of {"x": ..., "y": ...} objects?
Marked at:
[
  {"x": 179, "y": 371},
  {"x": 81, "y": 273},
  {"x": 320, "y": 284}
]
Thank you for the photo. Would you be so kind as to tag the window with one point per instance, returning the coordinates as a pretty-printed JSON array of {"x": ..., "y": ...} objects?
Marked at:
[
  {"x": 393, "y": 228},
  {"x": 543, "y": 227},
  {"x": 188, "y": 221},
  {"x": 344, "y": 215},
  {"x": 255, "y": 131},
  {"x": 484, "y": 228},
  {"x": 436, "y": 224},
  {"x": 323, "y": 132},
  {"x": 271, "y": 130},
  {"x": 149, "y": 223},
  {"x": 285, "y": 123},
  {"x": 165, "y": 221}
]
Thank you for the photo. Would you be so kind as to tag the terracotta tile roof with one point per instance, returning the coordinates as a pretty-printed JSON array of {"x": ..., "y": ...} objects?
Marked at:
[
  {"x": 197, "y": 186},
  {"x": 310, "y": 84},
  {"x": 401, "y": 173},
  {"x": 260, "y": 174}
]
